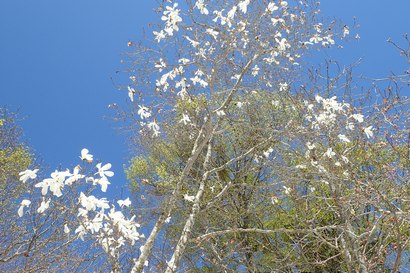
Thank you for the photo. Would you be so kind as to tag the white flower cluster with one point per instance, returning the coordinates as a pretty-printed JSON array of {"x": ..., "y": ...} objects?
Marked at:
[
  {"x": 326, "y": 112},
  {"x": 172, "y": 19},
  {"x": 111, "y": 228},
  {"x": 329, "y": 112}
]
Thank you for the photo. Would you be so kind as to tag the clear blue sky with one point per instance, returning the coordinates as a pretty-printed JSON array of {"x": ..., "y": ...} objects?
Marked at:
[{"x": 57, "y": 57}]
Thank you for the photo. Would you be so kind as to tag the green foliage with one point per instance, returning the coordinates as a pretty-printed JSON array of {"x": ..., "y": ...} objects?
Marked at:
[
  {"x": 13, "y": 161},
  {"x": 14, "y": 156},
  {"x": 158, "y": 170}
]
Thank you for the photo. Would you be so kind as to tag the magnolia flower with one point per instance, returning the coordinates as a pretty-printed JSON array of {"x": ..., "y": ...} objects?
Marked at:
[
  {"x": 43, "y": 206},
  {"x": 160, "y": 65},
  {"x": 310, "y": 145},
  {"x": 75, "y": 176},
  {"x": 287, "y": 189},
  {"x": 316, "y": 39},
  {"x": 124, "y": 203},
  {"x": 24, "y": 203},
  {"x": 329, "y": 153},
  {"x": 272, "y": 7},
  {"x": 171, "y": 18},
  {"x": 343, "y": 138},
  {"x": 358, "y": 117},
  {"x": 284, "y": 4},
  {"x": 81, "y": 232},
  {"x": 103, "y": 171},
  {"x": 103, "y": 182},
  {"x": 193, "y": 42},
  {"x": 86, "y": 156},
  {"x": 55, "y": 183},
  {"x": 28, "y": 174},
  {"x": 189, "y": 198},
  {"x": 212, "y": 32},
  {"x": 283, "y": 86},
  {"x": 66, "y": 229},
  {"x": 153, "y": 126},
  {"x": 143, "y": 112},
  {"x": 255, "y": 70},
  {"x": 282, "y": 44},
  {"x": 276, "y": 21},
  {"x": 184, "y": 61},
  {"x": 159, "y": 35},
  {"x": 202, "y": 7},
  {"x": 300, "y": 166},
  {"x": 231, "y": 14},
  {"x": 131, "y": 92},
  {"x": 243, "y": 5},
  {"x": 91, "y": 203},
  {"x": 268, "y": 152},
  {"x": 368, "y": 131},
  {"x": 345, "y": 31},
  {"x": 220, "y": 113},
  {"x": 185, "y": 119}
]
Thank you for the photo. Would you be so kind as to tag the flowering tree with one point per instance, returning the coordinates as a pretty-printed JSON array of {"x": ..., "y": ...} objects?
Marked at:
[{"x": 255, "y": 163}]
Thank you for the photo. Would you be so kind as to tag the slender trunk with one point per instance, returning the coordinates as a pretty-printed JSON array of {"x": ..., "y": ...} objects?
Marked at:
[
  {"x": 349, "y": 238},
  {"x": 186, "y": 232},
  {"x": 200, "y": 142},
  {"x": 399, "y": 251}
]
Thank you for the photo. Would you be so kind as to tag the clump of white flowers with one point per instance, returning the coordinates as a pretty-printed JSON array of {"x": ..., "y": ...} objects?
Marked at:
[{"x": 97, "y": 217}]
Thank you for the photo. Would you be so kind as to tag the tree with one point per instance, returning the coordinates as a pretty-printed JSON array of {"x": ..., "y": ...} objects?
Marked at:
[
  {"x": 239, "y": 67},
  {"x": 256, "y": 162},
  {"x": 30, "y": 240}
]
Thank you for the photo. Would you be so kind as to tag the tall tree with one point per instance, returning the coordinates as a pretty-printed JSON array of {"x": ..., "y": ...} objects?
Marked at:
[
  {"x": 261, "y": 165},
  {"x": 254, "y": 160}
]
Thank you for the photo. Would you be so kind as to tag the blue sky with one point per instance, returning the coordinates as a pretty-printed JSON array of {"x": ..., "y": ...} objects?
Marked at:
[{"x": 57, "y": 58}]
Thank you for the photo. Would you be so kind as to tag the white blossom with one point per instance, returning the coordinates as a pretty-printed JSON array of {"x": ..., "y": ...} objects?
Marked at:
[
  {"x": 103, "y": 182},
  {"x": 154, "y": 127},
  {"x": 272, "y": 7},
  {"x": 368, "y": 131},
  {"x": 202, "y": 7},
  {"x": 189, "y": 198},
  {"x": 220, "y": 113},
  {"x": 171, "y": 18},
  {"x": 75, "y": 176},
  {"x": 24, "y": 203},
  {"x": 193, "y": 43},
  {"x": 28, "y": 174},
  {"x": 329, "y": 153},
  {"x": 103, "y": 171},
  {"x": 185, "y": 119},
  {"x": 160, "y": 65},
  {"x": 55, "y": 183},
  {"x": 43, "y": 206},
  {"x": 143, "y": 112},
  {"x": 66, "y": 229},
  {"x": 287, "y": 190},
  {"x": 255, "y": 70},
  {"x": 212, "y": 32},
  {"x": 124, "y": 203},
  {"x": 159, "y": 35},
  {"x": 358, "y": 117},
  {"x": 131, "y": 92},
  {"x": 343, "y": 138},
  {"x": 243, "y": 5},
  {"x": 86, "y": 156}
]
